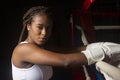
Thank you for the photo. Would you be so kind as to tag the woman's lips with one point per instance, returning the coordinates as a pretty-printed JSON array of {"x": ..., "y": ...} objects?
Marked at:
[{"x": 42, "y": 39}]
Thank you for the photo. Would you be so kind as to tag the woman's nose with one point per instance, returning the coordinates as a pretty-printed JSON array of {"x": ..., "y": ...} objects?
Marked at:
[{"x": 43, "y": 32}]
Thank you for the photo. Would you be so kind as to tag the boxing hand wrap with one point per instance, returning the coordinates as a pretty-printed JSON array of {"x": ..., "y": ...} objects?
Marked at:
[
  {"x": 94, "y": 53},
  {"x": 111, "y": 49},
  {"x": 97, "y": 51}
]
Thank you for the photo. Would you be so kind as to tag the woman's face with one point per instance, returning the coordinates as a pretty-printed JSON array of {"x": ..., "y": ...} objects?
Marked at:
[{"x": 40, "y": 29}]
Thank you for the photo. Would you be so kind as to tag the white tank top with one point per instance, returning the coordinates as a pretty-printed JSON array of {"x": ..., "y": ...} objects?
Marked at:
[{"x": 36, "y": 72}]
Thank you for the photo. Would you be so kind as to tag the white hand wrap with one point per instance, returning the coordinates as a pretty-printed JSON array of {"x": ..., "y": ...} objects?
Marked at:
[
  {"x": 111, "y": 49},
  {"x": 96, "y": 51}
]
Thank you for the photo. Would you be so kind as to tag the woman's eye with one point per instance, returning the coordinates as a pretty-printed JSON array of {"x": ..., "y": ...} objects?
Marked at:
[{"x": 40, "y": 27}]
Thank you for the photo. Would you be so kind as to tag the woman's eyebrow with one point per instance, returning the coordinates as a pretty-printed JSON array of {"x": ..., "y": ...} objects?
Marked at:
[{"x": 40, "y": 24}]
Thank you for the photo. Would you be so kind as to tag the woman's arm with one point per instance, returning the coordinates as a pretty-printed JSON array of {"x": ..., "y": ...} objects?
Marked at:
[{"x": 33, "y": 54}]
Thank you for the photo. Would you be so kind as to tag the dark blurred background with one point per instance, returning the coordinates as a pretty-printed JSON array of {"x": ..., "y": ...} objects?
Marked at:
[{"x": 105, "y": 18}]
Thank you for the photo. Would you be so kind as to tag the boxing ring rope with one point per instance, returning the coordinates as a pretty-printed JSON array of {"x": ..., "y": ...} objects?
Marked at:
[
  {"x": 107, "y": 68},
  {"x": 111, "y": 70}
]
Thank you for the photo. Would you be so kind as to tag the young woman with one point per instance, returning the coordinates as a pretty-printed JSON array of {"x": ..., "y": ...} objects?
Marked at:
[{"x": 30, "y": 61}]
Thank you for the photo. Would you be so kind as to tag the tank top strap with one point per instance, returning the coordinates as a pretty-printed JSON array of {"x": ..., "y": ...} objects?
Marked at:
[{"x": 23, "y": 42}]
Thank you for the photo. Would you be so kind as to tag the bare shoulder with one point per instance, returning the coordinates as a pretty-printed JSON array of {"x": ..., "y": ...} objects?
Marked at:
[
  {"x": 23, "y": 48},
  {"x": 21, "y": 52}
]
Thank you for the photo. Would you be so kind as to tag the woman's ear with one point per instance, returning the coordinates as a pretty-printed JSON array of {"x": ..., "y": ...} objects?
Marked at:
[{"x": 28, "y": 27}]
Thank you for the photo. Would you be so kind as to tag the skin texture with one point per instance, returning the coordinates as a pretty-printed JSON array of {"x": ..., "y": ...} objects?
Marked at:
[{"x": 28, "y": 54}]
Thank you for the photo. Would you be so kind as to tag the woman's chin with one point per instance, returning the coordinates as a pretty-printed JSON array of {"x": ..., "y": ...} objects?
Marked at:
[{"x": 41, "y": 42}]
